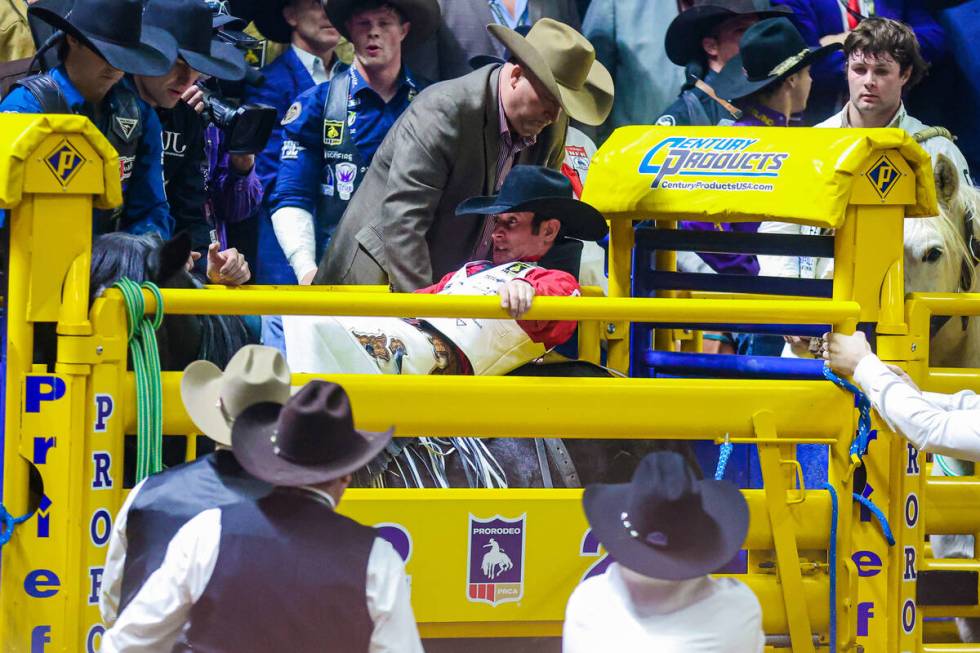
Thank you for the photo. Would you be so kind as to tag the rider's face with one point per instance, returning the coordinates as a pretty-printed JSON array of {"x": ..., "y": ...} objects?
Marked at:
[{"x": 514, "y": 238}]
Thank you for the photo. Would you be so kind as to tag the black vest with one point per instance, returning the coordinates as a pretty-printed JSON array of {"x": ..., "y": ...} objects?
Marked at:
[
  {"x": 343, "y": 166},
  {"x": 290, "y": 576},
  {"x": 168, "y": 500},
  {"x": 122, "y": 126}
]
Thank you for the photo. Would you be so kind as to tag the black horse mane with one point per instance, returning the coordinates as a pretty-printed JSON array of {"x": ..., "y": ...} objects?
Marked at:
[{"x": 119, "y": 254}]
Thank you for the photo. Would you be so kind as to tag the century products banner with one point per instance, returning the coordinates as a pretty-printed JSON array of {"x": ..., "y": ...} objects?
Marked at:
[{"x": 739, "y": 173}]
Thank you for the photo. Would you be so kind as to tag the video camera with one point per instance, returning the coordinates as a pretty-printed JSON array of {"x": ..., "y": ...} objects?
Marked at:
[{"x": 248, "y": 126}]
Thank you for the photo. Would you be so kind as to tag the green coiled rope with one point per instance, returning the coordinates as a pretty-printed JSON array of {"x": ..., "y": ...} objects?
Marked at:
[{"x": 146, "y": 365}]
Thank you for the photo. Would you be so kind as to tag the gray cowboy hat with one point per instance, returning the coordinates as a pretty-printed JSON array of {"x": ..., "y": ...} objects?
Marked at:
[
  {"x": 424, "y": 16},
  {"x": 213, "y": 399},
  {"x": 564, "y": 62}
]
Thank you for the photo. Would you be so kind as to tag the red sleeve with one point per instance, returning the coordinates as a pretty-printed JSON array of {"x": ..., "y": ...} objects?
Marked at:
[
  {"x": 436, "y": 287},
  {"x": 550, "y": 283}
]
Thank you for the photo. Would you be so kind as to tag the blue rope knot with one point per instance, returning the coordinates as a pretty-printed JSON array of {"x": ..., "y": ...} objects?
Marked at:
[
  {"x": 724, "y": 453},
  {"x": 9, "y": 521},
  {"x": 859, "y": 446}
]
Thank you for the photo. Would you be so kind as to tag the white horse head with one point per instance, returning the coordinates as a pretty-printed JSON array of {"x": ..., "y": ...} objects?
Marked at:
[{"x": 938, "y": 259}]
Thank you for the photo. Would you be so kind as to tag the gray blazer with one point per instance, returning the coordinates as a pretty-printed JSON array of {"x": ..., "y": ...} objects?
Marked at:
[
  {"x": 463, "y": 34},
  {"x": 442, "y": 150}
]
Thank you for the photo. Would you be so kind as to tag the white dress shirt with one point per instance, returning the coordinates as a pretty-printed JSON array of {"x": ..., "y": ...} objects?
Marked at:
[
  {"x": 932, "y": 422},
  {"x": 158, "y": 613},
  {"x": 313, "y": 64},
  {"x": 115, "y": 561},
  {"x": 623, "y": 611}
]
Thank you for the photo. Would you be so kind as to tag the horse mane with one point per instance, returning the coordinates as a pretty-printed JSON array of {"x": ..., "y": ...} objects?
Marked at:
[{"x": 118, "y": 254}]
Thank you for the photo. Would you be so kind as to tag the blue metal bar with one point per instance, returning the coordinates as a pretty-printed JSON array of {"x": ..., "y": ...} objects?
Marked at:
[
  {"x": 657, "y": 280},
  {"x": 732, "y": 242},
  {"x": 810, "y": 330},
  {"x": 729, "y": 366}
]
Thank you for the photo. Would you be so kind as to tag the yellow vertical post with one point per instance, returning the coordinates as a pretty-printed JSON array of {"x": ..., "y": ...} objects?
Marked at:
[
  {"x": 52, "y": 170},
  {"x": 621, "y": 240}
]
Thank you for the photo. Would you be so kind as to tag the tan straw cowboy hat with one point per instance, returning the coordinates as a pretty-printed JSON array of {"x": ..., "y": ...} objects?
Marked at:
[
  {"x": 564, "y": 61},
  {"x": 213, "y": 399}
]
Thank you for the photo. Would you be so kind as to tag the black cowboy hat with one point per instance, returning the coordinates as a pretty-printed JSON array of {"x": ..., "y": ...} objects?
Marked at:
[
  {"x": 310, "y": 439},
  {"x": 114, "y": 30},
  {"x": 269, "y": 21},
  {"x": 683, "y": 40},
  {"x": 543, "y": 191},
  {"x": 191, "y": 23},
  {"x": 770, "y": 51},
  {"x": 665, "y": 523},
  {"x": 424, "y": 15}
]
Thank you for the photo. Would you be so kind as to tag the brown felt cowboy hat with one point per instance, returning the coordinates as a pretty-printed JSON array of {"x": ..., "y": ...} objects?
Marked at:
[
  {"x": 683, "y": 39},
  {"x": 665, "y": 523},
  {"x": 213, "y": 399},
  {"x": 564, "y": 62},
  {"x": 424, "y": 16},
  {"x": 309, "y": 440}
]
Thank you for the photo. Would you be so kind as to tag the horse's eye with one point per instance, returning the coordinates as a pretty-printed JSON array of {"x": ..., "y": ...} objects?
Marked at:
[{"x": 932, "y": 255}]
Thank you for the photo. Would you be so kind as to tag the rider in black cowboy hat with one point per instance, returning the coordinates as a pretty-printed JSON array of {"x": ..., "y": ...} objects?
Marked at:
[
  {"x": 103, "y": 40},
  {"x": 703, "y": 39}
]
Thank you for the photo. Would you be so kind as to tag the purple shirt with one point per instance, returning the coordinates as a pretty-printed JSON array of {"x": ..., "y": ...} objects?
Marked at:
[
  {"x": 232, "y": 197},
  {"x": 753, "y": 115}
]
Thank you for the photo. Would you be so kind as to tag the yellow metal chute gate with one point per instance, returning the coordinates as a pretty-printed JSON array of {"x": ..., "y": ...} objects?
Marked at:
[{"x": 69, "y": 422}]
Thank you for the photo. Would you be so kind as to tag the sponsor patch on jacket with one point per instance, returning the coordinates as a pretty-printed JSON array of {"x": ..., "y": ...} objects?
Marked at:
[
  {"x": 290, "y": 150},
  {"x": 126, "y": 167},
  {"x": 346, "y": 175},
  {"x": 333, "y": 132},
  {"x": 292, "y": 113},
  {"x": 126, "y": 126},
  {"x": 667, "y": 120}
]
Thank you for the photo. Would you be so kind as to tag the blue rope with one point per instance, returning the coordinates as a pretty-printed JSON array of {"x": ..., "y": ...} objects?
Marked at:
[
  {"x": 724, "y": 453},
  {"x": 9, "y": 521},
  {"x": 859, "y": 446},
  {"x": 832, "y": 562},
  {"x": 880, "y": 516}
]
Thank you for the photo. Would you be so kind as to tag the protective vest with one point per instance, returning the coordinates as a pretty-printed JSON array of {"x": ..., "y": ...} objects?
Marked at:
[
  {"x": 122, "y": 126},
  {"x": 291, "y": 575},
  {"x": 493, "y": 347},
  {"x": 168, "y": 500},
  {"x": 343, "y": 165}
]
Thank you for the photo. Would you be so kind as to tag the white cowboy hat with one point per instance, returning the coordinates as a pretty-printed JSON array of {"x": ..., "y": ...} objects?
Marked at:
[{"x": 213, "y": 399}]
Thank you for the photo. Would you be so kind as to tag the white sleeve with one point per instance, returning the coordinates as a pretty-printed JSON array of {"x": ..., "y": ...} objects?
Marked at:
[
  {"x": 115, "y": 562},
  {"x": 927, "y": 426},
  {"x": 158, "y": 613},
  {"x": 389, "y": 602},
  {"x": 583, "y": 631},
  {"x": 962, "y": 400},
  {"x": 294, "y": 231},
  {"x": 779, "y": 266}
]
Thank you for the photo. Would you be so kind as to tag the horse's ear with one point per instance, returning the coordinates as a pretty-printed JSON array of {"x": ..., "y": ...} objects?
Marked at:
[
  {"x": 170, "y": 258},
  {"x": 947, "y": 180}
]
